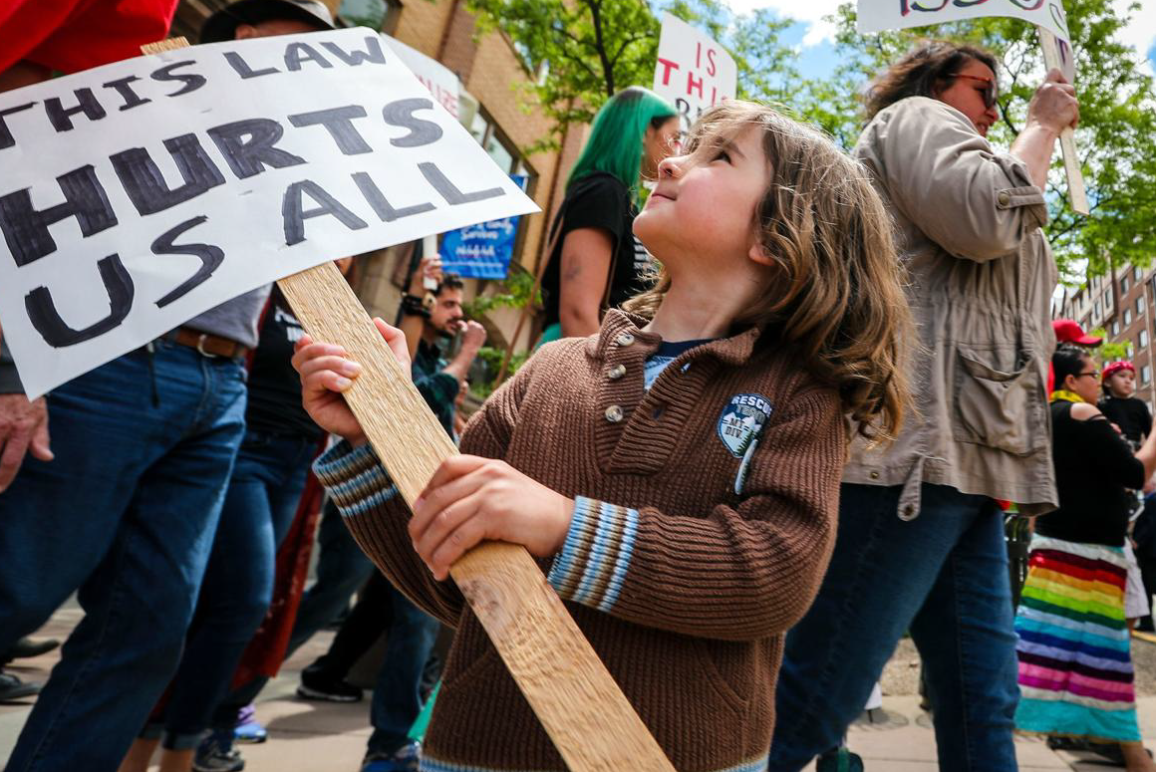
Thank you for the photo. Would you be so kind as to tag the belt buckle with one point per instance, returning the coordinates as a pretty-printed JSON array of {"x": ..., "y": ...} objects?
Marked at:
[{"x": 201, "y": 347}]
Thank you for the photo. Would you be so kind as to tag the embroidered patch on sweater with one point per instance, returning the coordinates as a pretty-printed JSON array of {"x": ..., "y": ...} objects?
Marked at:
[{"x": 742, "y": 422}]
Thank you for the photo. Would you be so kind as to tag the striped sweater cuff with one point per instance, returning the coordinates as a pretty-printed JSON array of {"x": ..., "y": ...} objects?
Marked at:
[
  {"x": 592, "y": 566},
  {"x": 354, "y": 478}
]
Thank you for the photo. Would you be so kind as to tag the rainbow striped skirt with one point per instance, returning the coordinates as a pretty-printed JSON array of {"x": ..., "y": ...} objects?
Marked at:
[{"x": 1075, "y": 666}]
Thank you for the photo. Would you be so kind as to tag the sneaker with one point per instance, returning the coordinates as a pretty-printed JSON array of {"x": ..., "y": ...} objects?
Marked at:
[
  {"x": 318, "y": 686},
  {"x": 839, "y": 760},
  {"x": 248, "y": 729},
  {"x": 216, "y": 754},
  {"x": 405, "y": 759},
  {"x": 12, "y": 688},
  {"x": 26, "y": 648}
]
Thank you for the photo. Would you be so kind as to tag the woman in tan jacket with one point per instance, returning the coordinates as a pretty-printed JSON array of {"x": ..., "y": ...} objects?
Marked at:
[{"x": 920, "y": 542}]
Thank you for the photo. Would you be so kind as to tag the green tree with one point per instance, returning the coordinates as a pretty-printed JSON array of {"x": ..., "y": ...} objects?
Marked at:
[
  {"x": 586, "y": 50},
  {"x": 1115, "y": 137}
]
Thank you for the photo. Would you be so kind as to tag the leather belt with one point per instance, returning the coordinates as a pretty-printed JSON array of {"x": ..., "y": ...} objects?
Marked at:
[{"x": 206, "y": 344}]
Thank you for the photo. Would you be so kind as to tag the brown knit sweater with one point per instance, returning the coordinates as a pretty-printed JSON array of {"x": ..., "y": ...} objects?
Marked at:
[{"x": 683, "y": 586}]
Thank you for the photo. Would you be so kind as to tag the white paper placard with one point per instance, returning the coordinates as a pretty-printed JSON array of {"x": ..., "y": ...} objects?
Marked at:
[
  {"x": 137, "y": 195},
  {"x": 881, "y": 15},
  {"x": 694, "y": 72}
]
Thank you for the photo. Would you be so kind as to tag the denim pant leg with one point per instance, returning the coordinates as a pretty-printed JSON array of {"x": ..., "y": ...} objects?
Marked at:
[
  {"x": 966, "y": 640},
  {"x": 397, "y": 693},
  {"x": 880, "y": 573},
  {"x": 139, "y": 600},
  {"x": 342, "y": 569},
  {"x": 263, "y": 494},
  {"x": 59, "y": 519}
]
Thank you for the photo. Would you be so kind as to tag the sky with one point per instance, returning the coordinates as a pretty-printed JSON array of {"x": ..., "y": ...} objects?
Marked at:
[{"x": 814, "y": 36}]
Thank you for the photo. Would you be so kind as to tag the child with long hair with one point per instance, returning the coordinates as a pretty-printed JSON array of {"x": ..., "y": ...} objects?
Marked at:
[{"x": 677, "y": 474}]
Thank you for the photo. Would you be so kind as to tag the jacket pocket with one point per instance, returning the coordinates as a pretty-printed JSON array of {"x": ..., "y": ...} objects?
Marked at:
[{"x": 994, "y": 406}]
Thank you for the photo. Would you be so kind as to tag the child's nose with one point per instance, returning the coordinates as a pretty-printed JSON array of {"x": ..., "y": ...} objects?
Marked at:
[{"x": 671, "y": 166}]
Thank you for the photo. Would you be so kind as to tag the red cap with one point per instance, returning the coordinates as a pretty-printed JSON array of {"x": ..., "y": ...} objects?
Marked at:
[
  {"x": 1112, "y": 368},
  {"x": 1067, "y": 331}
]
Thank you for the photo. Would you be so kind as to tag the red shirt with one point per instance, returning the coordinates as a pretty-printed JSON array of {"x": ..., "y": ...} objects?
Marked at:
[{"x": 74, "y": 35}]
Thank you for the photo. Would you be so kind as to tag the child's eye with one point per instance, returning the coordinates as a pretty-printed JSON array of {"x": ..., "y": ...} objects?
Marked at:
[{"x": 722, "y": 155}]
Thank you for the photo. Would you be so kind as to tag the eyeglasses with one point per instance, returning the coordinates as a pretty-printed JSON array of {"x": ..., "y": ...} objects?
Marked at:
[
  {"x": 1094, "y": 374},
  {"x": 988, "y": 92}
]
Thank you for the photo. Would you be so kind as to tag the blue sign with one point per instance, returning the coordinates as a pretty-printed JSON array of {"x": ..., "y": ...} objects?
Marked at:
[{"x": 482, "y": 251}]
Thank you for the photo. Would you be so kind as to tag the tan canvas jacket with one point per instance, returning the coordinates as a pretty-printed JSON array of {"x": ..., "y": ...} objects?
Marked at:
[{"x": 981, "y": 278}]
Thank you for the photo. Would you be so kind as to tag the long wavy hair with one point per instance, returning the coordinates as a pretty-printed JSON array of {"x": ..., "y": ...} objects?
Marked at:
[
  {"x": 838, "y": 298},
  {"x": 615, "y": 143},
  {"x": 930, "y": 66}
]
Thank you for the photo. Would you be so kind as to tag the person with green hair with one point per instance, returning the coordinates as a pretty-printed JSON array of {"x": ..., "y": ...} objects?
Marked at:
[{"x": 595, "y": 262}]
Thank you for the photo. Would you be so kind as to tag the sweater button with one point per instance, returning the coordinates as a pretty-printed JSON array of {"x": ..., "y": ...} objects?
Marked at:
[
  {"x": 1004, "y": 198},
  {"x": 873, "y": 475},
  {"x": 616, "y": 372},
  {"x": 613, "y": 414},
  {"x": 625, "y": 339}
]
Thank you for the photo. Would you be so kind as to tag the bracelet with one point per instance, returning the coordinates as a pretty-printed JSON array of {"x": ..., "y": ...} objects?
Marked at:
[{"x": 411, "y": 305}]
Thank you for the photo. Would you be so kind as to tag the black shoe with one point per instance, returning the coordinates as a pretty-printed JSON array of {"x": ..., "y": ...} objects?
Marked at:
[
  {"x": 319, "y": 686},
  {"x": 12, "y": 688},
  {"x": 839, "y": 760},
  {"x": 26, "y": 648}
]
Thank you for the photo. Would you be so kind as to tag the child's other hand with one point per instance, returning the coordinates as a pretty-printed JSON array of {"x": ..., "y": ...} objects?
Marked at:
[
  {"x": 472, "y": 499},
  {"x": 327, "y": 372}
]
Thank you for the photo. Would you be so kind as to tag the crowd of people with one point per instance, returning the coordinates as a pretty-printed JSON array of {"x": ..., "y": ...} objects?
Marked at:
[{"x": 782, "y": 399}]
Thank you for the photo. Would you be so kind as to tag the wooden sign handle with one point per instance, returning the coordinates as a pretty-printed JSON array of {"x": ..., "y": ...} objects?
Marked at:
[
  {"x": 582, "y": 709},
  {"x": 1076, "y": 193}
]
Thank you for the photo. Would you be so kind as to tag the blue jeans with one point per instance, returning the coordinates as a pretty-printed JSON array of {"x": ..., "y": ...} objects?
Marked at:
[
  {"x": 397, "y": 692},
  {"x": 342, "y": 569},
  {"x": 262, "y": 498},
  {"x": 943, "y": 577},
  {"x": 126, "y": 513}
]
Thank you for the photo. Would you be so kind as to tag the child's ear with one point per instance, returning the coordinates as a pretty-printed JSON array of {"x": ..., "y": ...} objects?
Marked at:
[{"x": 759, "y": 254}]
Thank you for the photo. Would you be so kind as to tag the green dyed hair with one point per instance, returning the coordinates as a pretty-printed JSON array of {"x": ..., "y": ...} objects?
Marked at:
[{"x": 615, "y": 144}]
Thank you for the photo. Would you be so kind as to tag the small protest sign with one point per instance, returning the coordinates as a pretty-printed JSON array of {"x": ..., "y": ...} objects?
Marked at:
[
  {"x": 881, "y": 15},
  {"x": 435, "y": 76},
  {"x": 694, "y": 72},
  {"x": 482, "y": 251},
  {"x": 137, "y": 195}
]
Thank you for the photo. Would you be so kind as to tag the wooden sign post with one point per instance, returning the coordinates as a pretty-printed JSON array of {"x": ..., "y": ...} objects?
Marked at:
[
  {"x": 1077, "y": 196},
  {"x": 586, "y": 715}
]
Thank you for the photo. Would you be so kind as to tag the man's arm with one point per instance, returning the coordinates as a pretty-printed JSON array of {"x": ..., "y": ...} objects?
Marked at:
[{"x": 472, "y": 339}]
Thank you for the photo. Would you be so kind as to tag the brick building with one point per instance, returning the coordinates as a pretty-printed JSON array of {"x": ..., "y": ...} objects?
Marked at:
[
  {"x": 492, "y": 108},
  {"x": 1121, "y": 305}
]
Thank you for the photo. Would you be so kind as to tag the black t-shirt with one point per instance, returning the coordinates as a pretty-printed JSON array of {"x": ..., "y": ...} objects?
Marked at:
[
  {"x": 274, "y": 386},
  {"x": 599, "y": 200},
  {"x": 1130, "y": 414},
  {"x": 1094, "y": 467}
]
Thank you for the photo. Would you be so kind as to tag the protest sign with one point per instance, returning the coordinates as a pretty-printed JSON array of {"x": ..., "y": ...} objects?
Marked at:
[
  {"x": 880, "y": 15},
  {"x": 137, "y": 195},
  {"x": 435, "y": 76},
  {"x": 482, "y": 251},
  {"x": 694, "y": 72}
]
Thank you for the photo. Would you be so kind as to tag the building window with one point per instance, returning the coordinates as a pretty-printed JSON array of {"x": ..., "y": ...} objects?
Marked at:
[
  {"x": 1143, "y": 341},
  {"x": 1115, "y": 327},
  {"x": 1127, "y": 316},
  {"x": 1139, "y": 305},
  {"x": 1098, "y": 311},
  {"x": 1137, "y": 273},
  {"x": 1145, "y": 374},
  {"x": 1123, "y": 285}
]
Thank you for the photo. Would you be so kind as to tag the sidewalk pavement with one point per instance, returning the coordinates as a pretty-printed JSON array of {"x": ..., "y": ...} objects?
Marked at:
[{"x": 313, "y": 736}]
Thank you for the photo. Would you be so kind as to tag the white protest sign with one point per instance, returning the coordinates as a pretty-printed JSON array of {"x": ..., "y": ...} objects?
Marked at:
[
  {"x": 137, "y": 195},
  {"x": 435, "y": 76},
  {"x": 694, "y": 72},
  {"x": 881, "y": 15}
]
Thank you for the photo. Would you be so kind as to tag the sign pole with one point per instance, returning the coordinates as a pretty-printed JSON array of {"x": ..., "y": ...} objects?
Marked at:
[
  {"x": 582, "y": 709},
  {"x": 1076, "y": 193}
]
